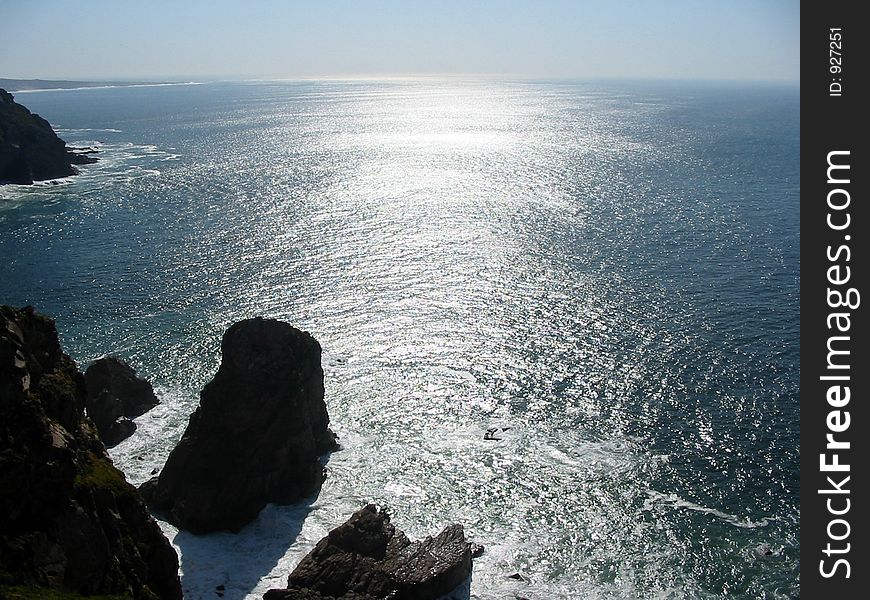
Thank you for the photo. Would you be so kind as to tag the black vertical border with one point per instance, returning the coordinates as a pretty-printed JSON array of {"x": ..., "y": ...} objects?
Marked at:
[{"x": 833, "y": 123}]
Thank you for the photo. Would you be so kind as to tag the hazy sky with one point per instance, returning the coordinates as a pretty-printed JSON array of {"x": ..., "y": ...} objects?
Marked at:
[{"x": 94, "y": 39}]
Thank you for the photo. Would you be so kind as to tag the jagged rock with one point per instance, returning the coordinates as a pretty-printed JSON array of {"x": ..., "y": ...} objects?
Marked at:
[
  {"x": 69, "y": 520},
  {"x": 116, "y": 395},
  {"x": 308, "y": 594},
  {"x": 256, "y": 436},
  {"x": 367, "y": 558},
  {"x": 117, "y": 431},
  {"x": 30, "y": 149}
]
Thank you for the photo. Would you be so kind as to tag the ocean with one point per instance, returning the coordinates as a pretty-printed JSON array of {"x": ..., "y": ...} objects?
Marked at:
[{"x": 606, "y": 271}]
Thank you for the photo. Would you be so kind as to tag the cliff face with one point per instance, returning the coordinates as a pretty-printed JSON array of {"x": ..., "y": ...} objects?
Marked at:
[
  {"x": 256, "y": 436},
  {"x": 29, "y": 148},
  {"x": 69, "y": 521}
]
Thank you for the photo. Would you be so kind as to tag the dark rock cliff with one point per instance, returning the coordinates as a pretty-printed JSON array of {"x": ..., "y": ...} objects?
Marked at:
[
  {"x": 116, "y": 395},
  {"x": 30, "y": 149},
  {"x": 367, "y": 558},
  {"x": 256, "y": 436},
  {"x": 69, "y": 521}
]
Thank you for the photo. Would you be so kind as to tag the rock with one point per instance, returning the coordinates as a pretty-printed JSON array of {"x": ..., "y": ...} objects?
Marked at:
[
  {"x": 116, "y": 395},
  {"x": 118, "y": 431},
  {"x": 30, "y": 149},
  {"x": 134, "y": 396},
  {"x": 256, "y": 436},
  {"x": 765, "y": 551},
  {"x": 69, "y": 520},
  {"x": 367, "y": 558},
  {"x": 307, "y": 594},
  {"x": 491, "y": 434}
]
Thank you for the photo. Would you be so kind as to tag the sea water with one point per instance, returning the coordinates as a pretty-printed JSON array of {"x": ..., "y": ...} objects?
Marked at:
[{"x": 606, "y": 271}]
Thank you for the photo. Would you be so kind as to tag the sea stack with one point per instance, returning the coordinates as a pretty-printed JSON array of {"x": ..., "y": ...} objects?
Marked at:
[
  {"x": 256, "y": 436},
  {"x": 30, "y": 150},
  {"x": 115, "y": 396},
  {"x": 367, "y": 558},
  {"x": 70, "y": 522}
]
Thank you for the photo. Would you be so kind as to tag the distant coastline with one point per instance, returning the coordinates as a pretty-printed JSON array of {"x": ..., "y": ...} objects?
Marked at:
[{"x": 38, "y": 85}]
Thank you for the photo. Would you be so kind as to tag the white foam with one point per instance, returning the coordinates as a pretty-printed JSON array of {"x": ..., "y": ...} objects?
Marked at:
[
  {"x": 657, "y": 498},
  {"x": 84, "y": 129},
  {"x": 156, "y": 433},
  {"x": 404, "y": 489}
]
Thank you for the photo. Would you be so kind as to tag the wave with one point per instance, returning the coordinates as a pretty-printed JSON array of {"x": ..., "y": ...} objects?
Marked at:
[
  {"x": 83, "y": 129},
  {"x": 658, "y": 498}
]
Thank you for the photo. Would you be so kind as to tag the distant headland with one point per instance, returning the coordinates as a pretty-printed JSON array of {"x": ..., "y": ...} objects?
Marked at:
[
  {"x": 30, "y": 150},
  {"x": 25, "y": 85}
]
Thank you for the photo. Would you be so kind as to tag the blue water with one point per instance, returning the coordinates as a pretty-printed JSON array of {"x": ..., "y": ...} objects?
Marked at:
[{"x": 609, "y": 270}]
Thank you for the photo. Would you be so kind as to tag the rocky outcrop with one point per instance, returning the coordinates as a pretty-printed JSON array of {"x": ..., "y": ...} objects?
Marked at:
[
  {"x": 255, "y": 437},
  {"x": 68, "y": 519},
  {"x": 115, "y": 396},
  {"x": 30, "y": 150},
  {"x": 367, "y": 558}
]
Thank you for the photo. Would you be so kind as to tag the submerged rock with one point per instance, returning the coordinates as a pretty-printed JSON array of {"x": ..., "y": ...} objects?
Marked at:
[
  {"x": 255, "y": 437},
  {"x": 69, "y": 520},
  {"x": 367, "y": 558},
  {"x": 30, "y": 150},
  {"x": 116, "y": 395}
]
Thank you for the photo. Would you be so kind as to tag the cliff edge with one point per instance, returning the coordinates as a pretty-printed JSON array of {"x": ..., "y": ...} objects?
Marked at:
[
  {"x": 30, "y": 150},
  {"x": 69, "y": 521}
]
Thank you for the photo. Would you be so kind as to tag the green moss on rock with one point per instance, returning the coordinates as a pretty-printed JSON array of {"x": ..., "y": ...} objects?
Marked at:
[
  {"x": 98, "y": 474},
  {"x": 20, "y": 592}
]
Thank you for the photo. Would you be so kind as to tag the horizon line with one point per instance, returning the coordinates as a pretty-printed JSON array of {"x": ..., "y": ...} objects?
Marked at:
[{"x": 181, "y": 79}]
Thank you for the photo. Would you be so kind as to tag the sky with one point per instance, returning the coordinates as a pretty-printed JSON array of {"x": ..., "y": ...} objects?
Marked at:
[{"x": 217, "y": 39}]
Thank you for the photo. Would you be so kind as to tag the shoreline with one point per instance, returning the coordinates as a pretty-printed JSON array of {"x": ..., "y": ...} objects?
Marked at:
[{"x": 22, "y": 86}]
